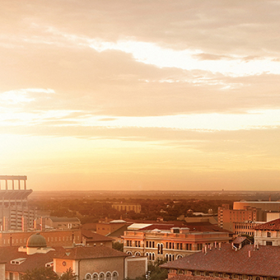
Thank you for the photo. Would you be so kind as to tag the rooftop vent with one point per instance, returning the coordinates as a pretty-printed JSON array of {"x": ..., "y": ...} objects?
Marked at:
[
  {"x": 49, "y": 264},
  {"x": 17, "y": 261}
]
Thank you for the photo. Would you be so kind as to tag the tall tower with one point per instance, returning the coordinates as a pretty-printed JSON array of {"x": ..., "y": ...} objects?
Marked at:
[{"x": 14, "y": 203}]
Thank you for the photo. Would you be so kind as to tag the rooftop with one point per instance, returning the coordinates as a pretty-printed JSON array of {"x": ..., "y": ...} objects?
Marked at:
[
  {"x": 227, "y": 260},
  {"x": 272, "y": 225},
  {"x": 88, "y": 252}
]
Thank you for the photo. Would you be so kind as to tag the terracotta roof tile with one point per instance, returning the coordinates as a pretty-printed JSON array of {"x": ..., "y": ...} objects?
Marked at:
[
  {"x": 264, "y": 261},
  {"x": 95, "y": 236},
  {"x": 239, "y": 240},
  {"x": 32, "y": 261},
  {"x": 89, "y": 252},
  {"x": 272, "y": 225}
]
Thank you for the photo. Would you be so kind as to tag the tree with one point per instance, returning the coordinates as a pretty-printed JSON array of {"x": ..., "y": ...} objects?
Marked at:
[
  {"x": 68, "y": 275},
  {"x": 118, "y": 246},
  {"x": 48, "y": 274},
  {"x": 42, "y": 273}
]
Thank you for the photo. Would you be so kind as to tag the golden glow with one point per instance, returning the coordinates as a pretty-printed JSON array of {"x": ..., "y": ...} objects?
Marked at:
[{"x": 141, "y": 95}]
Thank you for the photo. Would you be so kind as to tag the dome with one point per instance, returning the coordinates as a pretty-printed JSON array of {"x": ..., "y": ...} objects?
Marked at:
[{"x": 36, "y": 241}]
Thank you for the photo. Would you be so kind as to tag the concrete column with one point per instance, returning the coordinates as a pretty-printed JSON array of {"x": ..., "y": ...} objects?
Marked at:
[
  {"x": 6, "y": 182},
  {"x": 13, "y": 184},
  {"x": 19, "y": 184},
  {"x": 24, "y": 184}
]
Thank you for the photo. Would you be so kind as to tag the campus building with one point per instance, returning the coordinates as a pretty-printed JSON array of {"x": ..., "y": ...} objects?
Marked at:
[
  {"x": 56, "y": 238},
  {"x": 227, "y": 218},
  {"x": 87, "y": 262},
  {"x": 268, "y": 233},
  {"x": 161, "y": 242},
  {"x": 238, "y": 260},
  {"x": 14, "y": 211},
  {"x": 126, "y": 207}
]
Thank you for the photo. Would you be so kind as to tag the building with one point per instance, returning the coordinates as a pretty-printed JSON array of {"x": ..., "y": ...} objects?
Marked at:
[
  {"x": 228, "y": 261},
  {"x": 127, "y": 207},
  {"x": 228, "y": 217},
  {"x": 245, "y": 228},
  {"x": 105, "y": 228},
  {"x": 87, "y": 262},
  {"x": 14, "y": 211},
  {"x": 99, "y": 263},
  {"x": 268, "y": 233},
  {"x": 58, "y": 222},
  {"x": 90, "y": 238},
  {"x": 269, "y": 206},
  {"x": 169, "y": 243},
  {"x": 56, "y": 238}
]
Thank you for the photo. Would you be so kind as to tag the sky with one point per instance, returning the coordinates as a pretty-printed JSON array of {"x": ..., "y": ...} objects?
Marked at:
[{"x": 141, "y": 94}]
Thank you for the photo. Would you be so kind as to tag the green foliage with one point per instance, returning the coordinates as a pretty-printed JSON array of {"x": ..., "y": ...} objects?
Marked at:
[
  {"x": 48, "y": 274},
  {"x": 154, "y": 272},
  {"x": 68, "y": 275},
  {"x": 118, "y": 246},
  {"x": 40, "y": 274}
]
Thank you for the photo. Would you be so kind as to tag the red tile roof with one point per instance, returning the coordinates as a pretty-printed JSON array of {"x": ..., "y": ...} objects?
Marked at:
[
  {"x": 186, "y": 277},
  {"x": 263, "y": 262},
  {"x": 272, "y": 225},
  {"x": 88, "y": 252},
  {"x": 95, "y": 236},
  {"x": 239, "y": 240},
  {"x": 32, "y": 261}
]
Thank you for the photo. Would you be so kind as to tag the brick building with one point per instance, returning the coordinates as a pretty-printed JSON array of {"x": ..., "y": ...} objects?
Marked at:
[
  {"x": 228, "y": 217},
  {"x": 169, "y": 243},
  {"x": 87, "y": 262},
  {"x": 268, "y": 233},
  {"x": 126, "y": 207},
  {"x": 56, "y": 238},
  {"x": 57, "y": 223},
  {"x": 230, "y": 261}
]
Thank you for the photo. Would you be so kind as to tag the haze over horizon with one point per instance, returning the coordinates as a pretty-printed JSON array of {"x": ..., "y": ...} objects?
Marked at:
[{"x": 141, "y": 95}]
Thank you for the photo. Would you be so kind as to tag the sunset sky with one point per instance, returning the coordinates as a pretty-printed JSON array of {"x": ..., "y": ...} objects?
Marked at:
[{"x": 141, "y": 94}]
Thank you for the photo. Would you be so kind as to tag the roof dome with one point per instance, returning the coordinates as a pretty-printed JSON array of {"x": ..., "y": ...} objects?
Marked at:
[{"x": 36, "y": 241}]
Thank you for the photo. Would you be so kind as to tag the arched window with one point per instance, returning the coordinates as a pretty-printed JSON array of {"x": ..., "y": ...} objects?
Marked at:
[
  {"x": 108, "y": 276},
  {"x": 137, "y": 254},
  {"x": 88, "y": 276},
  {"x": 101, "y": 276},
  {"x": 115, "y": 276},
  {"x": 95, "y": 276},
  {"x": 153, "y": 256},
  {"x": 179, "y": 257},
  {"x": 129, "y": 253}
]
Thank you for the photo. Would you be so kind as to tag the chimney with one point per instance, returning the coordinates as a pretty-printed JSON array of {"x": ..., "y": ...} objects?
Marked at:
[
  {"x": 205, "y": 249},
  {"x": 249, "y": 254},
  {"x": 220, "y": 245},
  {"x": 215, "y": 244}
]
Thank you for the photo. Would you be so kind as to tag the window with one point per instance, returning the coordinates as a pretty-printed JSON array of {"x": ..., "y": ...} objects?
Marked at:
[
  {"x": 115, "y": 276},
  {"x": 160, "y": 249},
  {"x": 108, "y": 276},
  {"x": 269, "y": 243},
  {"x": 269, "y": 234},
  {"x": 88, "y": 276},
  {"x": 101, "y": 276}
]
